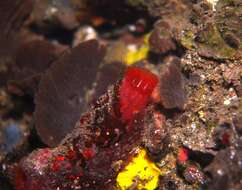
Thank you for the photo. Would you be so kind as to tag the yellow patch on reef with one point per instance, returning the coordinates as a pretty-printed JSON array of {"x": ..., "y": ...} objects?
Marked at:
[
  {"x": 135, "y": 54},
  {"x": 140, "y": 172}
]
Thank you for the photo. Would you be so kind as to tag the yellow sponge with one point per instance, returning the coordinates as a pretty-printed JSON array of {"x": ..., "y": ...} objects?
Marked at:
[
  {"x": 140, "y": 173},
  {"x": 135, "y": 54}
]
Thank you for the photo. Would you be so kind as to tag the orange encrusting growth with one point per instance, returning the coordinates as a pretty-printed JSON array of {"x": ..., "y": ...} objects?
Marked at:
[{"x": 135, "y": 91}]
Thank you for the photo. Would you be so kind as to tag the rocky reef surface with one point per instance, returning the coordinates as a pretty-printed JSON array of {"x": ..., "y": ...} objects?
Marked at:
[{"x": 129, "y": 94}]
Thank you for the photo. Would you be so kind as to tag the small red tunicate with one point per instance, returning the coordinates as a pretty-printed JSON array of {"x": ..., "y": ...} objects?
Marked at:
[
  {"x": 88, "y": 153},
  {"x": 57, "y": 163},
  {"x": 71, "y": 177},
  {"x": 182, "y": 155},
  {"x": 74, "y": 177},
  {"x": 226, "y": 139},
  {"x": 60, "y": 158},
  {"x": 135, "y": 91},
  {"x": 71, "y": 155}
]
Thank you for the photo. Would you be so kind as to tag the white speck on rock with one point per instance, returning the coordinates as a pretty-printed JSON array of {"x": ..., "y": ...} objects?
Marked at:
[
  {"x": 193, "y": 126},
  {"x": 220, "y": 172},
  {"x": 227, "y": 102},
  {"x": 213, "y": 2}
]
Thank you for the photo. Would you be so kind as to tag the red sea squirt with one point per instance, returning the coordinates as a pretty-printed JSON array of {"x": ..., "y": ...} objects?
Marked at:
[
  {"x": 135, "y": 91},
  {"x": 86, "y": 157}
]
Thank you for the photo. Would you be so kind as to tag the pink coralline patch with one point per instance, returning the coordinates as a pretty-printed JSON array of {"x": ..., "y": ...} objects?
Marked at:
[
  {"x": 135, "y": 91},
  {"x": 42, "y": 157},
  {"x": 40, "y": 161}
]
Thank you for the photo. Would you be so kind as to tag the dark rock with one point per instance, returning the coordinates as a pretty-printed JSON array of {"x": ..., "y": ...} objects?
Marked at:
[
  {"x": 108, "y": 74},
  {"x": 237, "y": 121},
  {"x": 32, "y": 60},
  {"x": 12, "y": 16},
  {"x": 161, "y": 40},
  {"x": 226, "y": 169},
  {"x": 223, "y": 135},
  {"x": 156, "y": 137},
  {"x": 172, "y": 93},
  {"x": 239, "y": 90},
  {"x": 228, "y": 21},
  {"x": 48, "y": 15},
  {"x": 62, "y": 92},
  {"x": 193, "y": 174}
]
